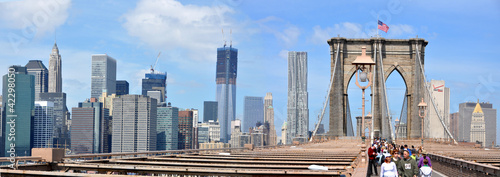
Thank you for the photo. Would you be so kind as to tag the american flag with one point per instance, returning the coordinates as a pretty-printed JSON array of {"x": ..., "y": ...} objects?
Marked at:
[{"x": 382, "y": 26}]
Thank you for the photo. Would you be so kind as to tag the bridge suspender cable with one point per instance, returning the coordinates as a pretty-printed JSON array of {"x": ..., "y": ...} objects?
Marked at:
[
  {"x": 327, "y": 93},
  {"x": 388, "y": 113},
  {"x": 430, "y": 95}
]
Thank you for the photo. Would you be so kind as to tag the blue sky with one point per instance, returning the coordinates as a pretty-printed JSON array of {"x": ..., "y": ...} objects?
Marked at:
[{"x": 462, "y": 44}]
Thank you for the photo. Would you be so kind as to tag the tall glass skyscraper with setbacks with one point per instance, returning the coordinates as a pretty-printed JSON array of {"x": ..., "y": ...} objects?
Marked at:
[
  {"x": 227, "y": 65},
  {"x": 18, "y": 102},
  {"x": 103, "y": 75}
]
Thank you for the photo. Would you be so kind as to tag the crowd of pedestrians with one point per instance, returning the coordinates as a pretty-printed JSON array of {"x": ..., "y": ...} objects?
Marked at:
[{"x": 397, "y": 160}]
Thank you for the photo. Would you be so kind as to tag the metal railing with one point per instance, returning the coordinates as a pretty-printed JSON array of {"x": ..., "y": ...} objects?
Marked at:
[{"x": 457, "y": 167}]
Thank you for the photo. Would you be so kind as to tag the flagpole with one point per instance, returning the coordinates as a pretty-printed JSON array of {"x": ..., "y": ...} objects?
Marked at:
[{"x": 377, "y": 27}]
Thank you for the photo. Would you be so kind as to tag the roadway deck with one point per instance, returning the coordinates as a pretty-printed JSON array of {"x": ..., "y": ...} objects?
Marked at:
[
  {"x": 342, "y": 157},
  {"x": 339, "y": 156}
]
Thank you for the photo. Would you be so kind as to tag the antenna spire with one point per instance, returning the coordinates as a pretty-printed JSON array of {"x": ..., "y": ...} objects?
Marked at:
[
  {"x": 223, "y": 39},
  {"x": 231, "y": 37}
]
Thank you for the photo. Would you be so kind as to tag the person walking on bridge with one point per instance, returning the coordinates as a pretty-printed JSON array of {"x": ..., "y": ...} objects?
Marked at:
[
  {"x": 407, "y": 166},
  {"x": 372, "y": 162},
  {"x": 388, "y": 168},
  {"x": 395, "y": 157},
  {"x": 424, "y": 157},
  {"x": 425, "y": 171}
]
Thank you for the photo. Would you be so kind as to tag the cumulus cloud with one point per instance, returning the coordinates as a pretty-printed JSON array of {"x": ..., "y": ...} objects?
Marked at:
[
  {"x": 34, "y": 17},
  {"x": 346, "y": 29},
  {"x": 286, "y": 34},
  {"x": 168, "y": 24}
]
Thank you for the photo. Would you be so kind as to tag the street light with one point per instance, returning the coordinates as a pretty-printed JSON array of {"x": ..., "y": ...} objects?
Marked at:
[
  {"x": 422, "y": 106},
  {"x": 363, "y": 66}
]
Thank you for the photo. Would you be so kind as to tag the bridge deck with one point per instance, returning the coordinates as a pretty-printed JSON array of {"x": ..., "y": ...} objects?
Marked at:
[
  {"x": 339, "y": 156},
  {"x": 342, "y": 157}
]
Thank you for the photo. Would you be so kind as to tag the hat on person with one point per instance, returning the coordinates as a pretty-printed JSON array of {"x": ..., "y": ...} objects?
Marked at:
[{"x": 424, "y": 152}]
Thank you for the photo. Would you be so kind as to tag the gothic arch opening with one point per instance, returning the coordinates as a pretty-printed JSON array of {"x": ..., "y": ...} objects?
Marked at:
[{"x": 396, "y": 94}]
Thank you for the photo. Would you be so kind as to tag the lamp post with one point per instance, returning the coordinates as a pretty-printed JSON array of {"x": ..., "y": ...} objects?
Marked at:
[
  {"x": 422, "y": 106},
  {"x": 363, "y": 66}
]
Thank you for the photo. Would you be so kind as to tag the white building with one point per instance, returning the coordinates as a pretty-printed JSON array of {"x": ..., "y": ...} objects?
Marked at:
[
  {"x": 441, "y": 96},
  {"x": 195, "y": 117},
  {"x": 213, "y": 130},
  {"x": 477, "y": 127},
  {"x": 43, "y": 124}
]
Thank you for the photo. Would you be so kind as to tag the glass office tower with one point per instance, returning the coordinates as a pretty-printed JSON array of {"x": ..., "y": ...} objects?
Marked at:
[{"x": 227, "y": 65}]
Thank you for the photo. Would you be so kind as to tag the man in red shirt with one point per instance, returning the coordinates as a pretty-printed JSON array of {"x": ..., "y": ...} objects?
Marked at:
[{"x": 372, "y": 162}]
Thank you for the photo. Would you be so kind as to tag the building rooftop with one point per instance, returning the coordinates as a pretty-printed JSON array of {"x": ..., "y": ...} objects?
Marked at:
[{"x": 478, "y": 108}]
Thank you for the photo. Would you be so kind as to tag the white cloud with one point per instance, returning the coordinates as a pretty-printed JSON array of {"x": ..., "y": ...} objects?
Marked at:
[
  {"x": 170, "y": 25},
  {"x": 284, "y": 54},
  {"x": 346, "y": 29},
  {"x": 287, "y": 37},
  {"x": 34, "y": 17},
  {"x": 401, "y": 30}
]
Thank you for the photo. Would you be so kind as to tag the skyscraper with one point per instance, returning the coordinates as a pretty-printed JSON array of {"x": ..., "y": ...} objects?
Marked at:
[
  {"x": 156, "y": 81},
  {"x": 43, "y": 124},
  {"x": 134, "y": 124},
  {"x": 185, "y": 129},
  {"x": 227, "y": 65},
  {"x": 122, "y": 87},
  {"x": 269, "y": 118},
  {"x": 37, "y": 69},
  {"x": 55, "y": 71},
  {"x": 253, "y": 112},
  {"x": 298, "y": 111},
  {"x": 465, "y": 120},
  {"x": 89, "y": 130},
  {"x": 209, "y": 111},
  {"x": 61, "y": 116},
  {"x": 18, "y": 103},
  {"x": 103, "y": 75},
  {"x": 454, "y": 124},
  {"x": 196, "y": 117},
  {"x": 441, "y": 96},
  {"x": 167, "y": 128},
  {"x": 477, "y": 127}
]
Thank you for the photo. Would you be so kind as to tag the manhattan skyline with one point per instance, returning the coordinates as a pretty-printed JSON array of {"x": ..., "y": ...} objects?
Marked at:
[{"x": 189, "y": 32}]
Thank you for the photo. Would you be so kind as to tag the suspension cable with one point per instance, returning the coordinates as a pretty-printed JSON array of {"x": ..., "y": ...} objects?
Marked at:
[
  {"x": 385, "y": 95},
  {"x": 430, "y": 95},
  {"x": 327, "y": 94}
]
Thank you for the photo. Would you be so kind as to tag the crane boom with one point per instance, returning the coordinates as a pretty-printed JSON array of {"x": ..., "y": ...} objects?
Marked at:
[{"x": 156, "y": 62}]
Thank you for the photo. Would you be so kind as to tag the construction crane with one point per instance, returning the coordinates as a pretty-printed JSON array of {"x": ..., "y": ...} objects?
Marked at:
[{"x": 154, "y": 66}]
